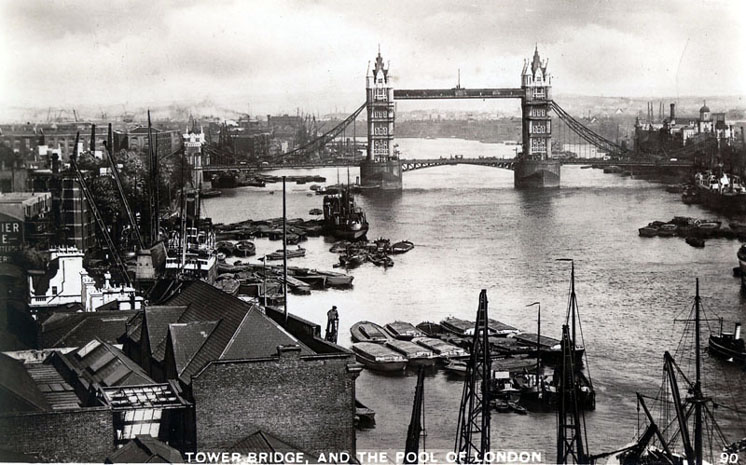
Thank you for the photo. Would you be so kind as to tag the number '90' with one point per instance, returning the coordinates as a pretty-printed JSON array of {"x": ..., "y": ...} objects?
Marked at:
[{"x": 728, "y": 458}]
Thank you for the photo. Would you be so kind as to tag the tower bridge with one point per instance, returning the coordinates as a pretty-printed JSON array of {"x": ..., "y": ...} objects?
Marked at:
[
  {"x": 534, "y": 165},
  {"x": 533, "y": 168}
]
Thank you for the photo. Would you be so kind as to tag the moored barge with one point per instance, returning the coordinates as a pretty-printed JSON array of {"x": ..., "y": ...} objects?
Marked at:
[
  {"x": 378, "y": 357},
  {"x": 416, "y": 354},
  {"x": 403, "y": 330},
  {"x": 366, "y": 331}
]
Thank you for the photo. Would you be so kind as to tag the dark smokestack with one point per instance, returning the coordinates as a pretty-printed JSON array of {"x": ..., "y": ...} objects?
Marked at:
[
  {"x": 673, "y": 111},
  {"x": 93, "y": 138},
  {"x": 110, "y": 140},
  {"x": 55, "y": 163}
]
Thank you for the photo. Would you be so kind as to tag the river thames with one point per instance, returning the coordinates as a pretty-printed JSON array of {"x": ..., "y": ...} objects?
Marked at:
[{"x": 472, "y": 230}]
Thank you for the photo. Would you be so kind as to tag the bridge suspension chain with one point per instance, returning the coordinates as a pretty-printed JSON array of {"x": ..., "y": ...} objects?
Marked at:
[
  {"x": 585, "y": 133},
  {"x": 328, "y": 136}
]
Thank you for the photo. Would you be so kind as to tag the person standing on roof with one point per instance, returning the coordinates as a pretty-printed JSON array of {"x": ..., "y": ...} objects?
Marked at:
[{"x": 332, "y": 324}]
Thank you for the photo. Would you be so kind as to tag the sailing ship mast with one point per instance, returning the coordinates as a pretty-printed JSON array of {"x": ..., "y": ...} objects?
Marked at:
[{"x": 284, "y": 251}]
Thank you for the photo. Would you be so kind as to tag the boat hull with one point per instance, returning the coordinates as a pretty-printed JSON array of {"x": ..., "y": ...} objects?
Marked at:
[
  {"x": 730, "y": 203},
  {"x": 720, "y": 350},
  {"x": 380, "y": 366}
]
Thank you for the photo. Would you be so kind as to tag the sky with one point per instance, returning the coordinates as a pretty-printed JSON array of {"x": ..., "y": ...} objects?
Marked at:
[{"x": 273, "y": 56}]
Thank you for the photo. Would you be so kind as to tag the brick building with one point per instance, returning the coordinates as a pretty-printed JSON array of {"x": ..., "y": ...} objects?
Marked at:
[
  {"x": 166, "y": 140},
  {"x": 80, "y": 405},
  {"x": 24, "y": 221},
  {"x": 245, "y": 372},
  {"x": 69, "y": 210},
  {"x": 29, "y": 138}
]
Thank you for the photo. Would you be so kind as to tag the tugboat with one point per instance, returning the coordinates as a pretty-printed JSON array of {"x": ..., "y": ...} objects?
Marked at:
[
  {"x": 723, "y": 192},
  {"x": 729, "y": 346},
  {"x": 342, "y": 218}
]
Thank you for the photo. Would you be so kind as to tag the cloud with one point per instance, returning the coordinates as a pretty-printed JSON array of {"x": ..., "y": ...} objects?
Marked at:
[{"x": 290, "y": 53}]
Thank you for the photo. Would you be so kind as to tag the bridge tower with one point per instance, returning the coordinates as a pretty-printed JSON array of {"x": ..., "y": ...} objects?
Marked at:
[
  {"x": 535, "y": 166},
  {"x": 382, "y": 167},
  {"x": 193, "y": 143}
]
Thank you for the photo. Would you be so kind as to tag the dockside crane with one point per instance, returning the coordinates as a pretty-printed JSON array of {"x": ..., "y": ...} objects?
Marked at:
[
  {"x": 97, "y": 215},
  {"x": 571, "y": 444},
  {"x": 473, "y": 436},
  {"x": 118, "y": 182},
  {"x": 416, "y": 423}
]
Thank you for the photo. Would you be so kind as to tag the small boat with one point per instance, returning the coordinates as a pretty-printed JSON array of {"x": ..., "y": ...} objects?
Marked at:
[
  {"x": 460, "y": 327},
  {"x": 338, "y": 279},
  {"x": 403, "y": 330},
  {"x": 728, "y": 346},
  {"x": 648, "y": 231},
  {"x": 292, "y": 253},
  {"x": 339, "y": 247},
  {"x": 402, "y": 247},
  {"x": 517, "y": 408},
  {"x": 365, "y": 331},
  {"x": 501, "y": 405},
  {"x": 695, "y": 241},
  {"x": 416, "y": 354},
  {"x": 225, "y": 247},
  {"x": 430, "y": 328},
  {"x": 378, "y": 357},
  {"x": 667, "y": 230},
  {"x": 443, "y": 349},
  {"x": 364, "y": 417},
  {"x": 455, "y": 367},
  {"x": 352, "y": 260},
  {"x": 585, "y": 167},
  {"x": 315, "y": 211},
  {"x": 245, "y": 249},
  {"x": 256, "y": 183},
  {"x": 292, "y": 239},
  {"x": 500, "y": 328},
  {"x": 380, "y": 259}
]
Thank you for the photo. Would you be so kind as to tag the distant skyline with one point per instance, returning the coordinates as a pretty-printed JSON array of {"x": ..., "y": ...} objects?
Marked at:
[{"x": 268, "y": 57}]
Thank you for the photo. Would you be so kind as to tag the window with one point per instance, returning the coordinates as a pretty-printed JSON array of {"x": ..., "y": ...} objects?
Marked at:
[
  {"x": 54, "y": 290},
  {"x": 538, "y": 112},
  {"x": 380, "y": 93}
]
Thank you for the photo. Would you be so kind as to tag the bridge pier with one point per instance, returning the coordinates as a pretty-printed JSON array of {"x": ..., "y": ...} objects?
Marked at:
[
  {"x": 385, "y": 175},
  {"x": 536, "y": 173}
]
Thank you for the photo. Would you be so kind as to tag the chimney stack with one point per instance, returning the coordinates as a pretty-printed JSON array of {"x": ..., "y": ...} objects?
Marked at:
[{"x": 673, "y": 112}]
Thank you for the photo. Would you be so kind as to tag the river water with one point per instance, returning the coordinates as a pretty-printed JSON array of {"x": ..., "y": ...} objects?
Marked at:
[{"x": 472, "y": 230}]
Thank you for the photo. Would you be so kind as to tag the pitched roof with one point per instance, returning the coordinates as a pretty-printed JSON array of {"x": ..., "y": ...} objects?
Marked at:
[
  {"x": 57, "y": 392},
  {"x": 77, "y": 329},
  {"x": 24, "y": 393},
  {"x": 145, "y": 449},
  {"x": 187, "y": 339},
  {"x": 102, "y": 363},
  {"x": 243, "y": 331},
  {"x": 157, "y": 319}
]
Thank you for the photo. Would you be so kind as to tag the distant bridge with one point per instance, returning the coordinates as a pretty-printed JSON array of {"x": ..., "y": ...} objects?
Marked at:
[{"x": 420, "y": 163}]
